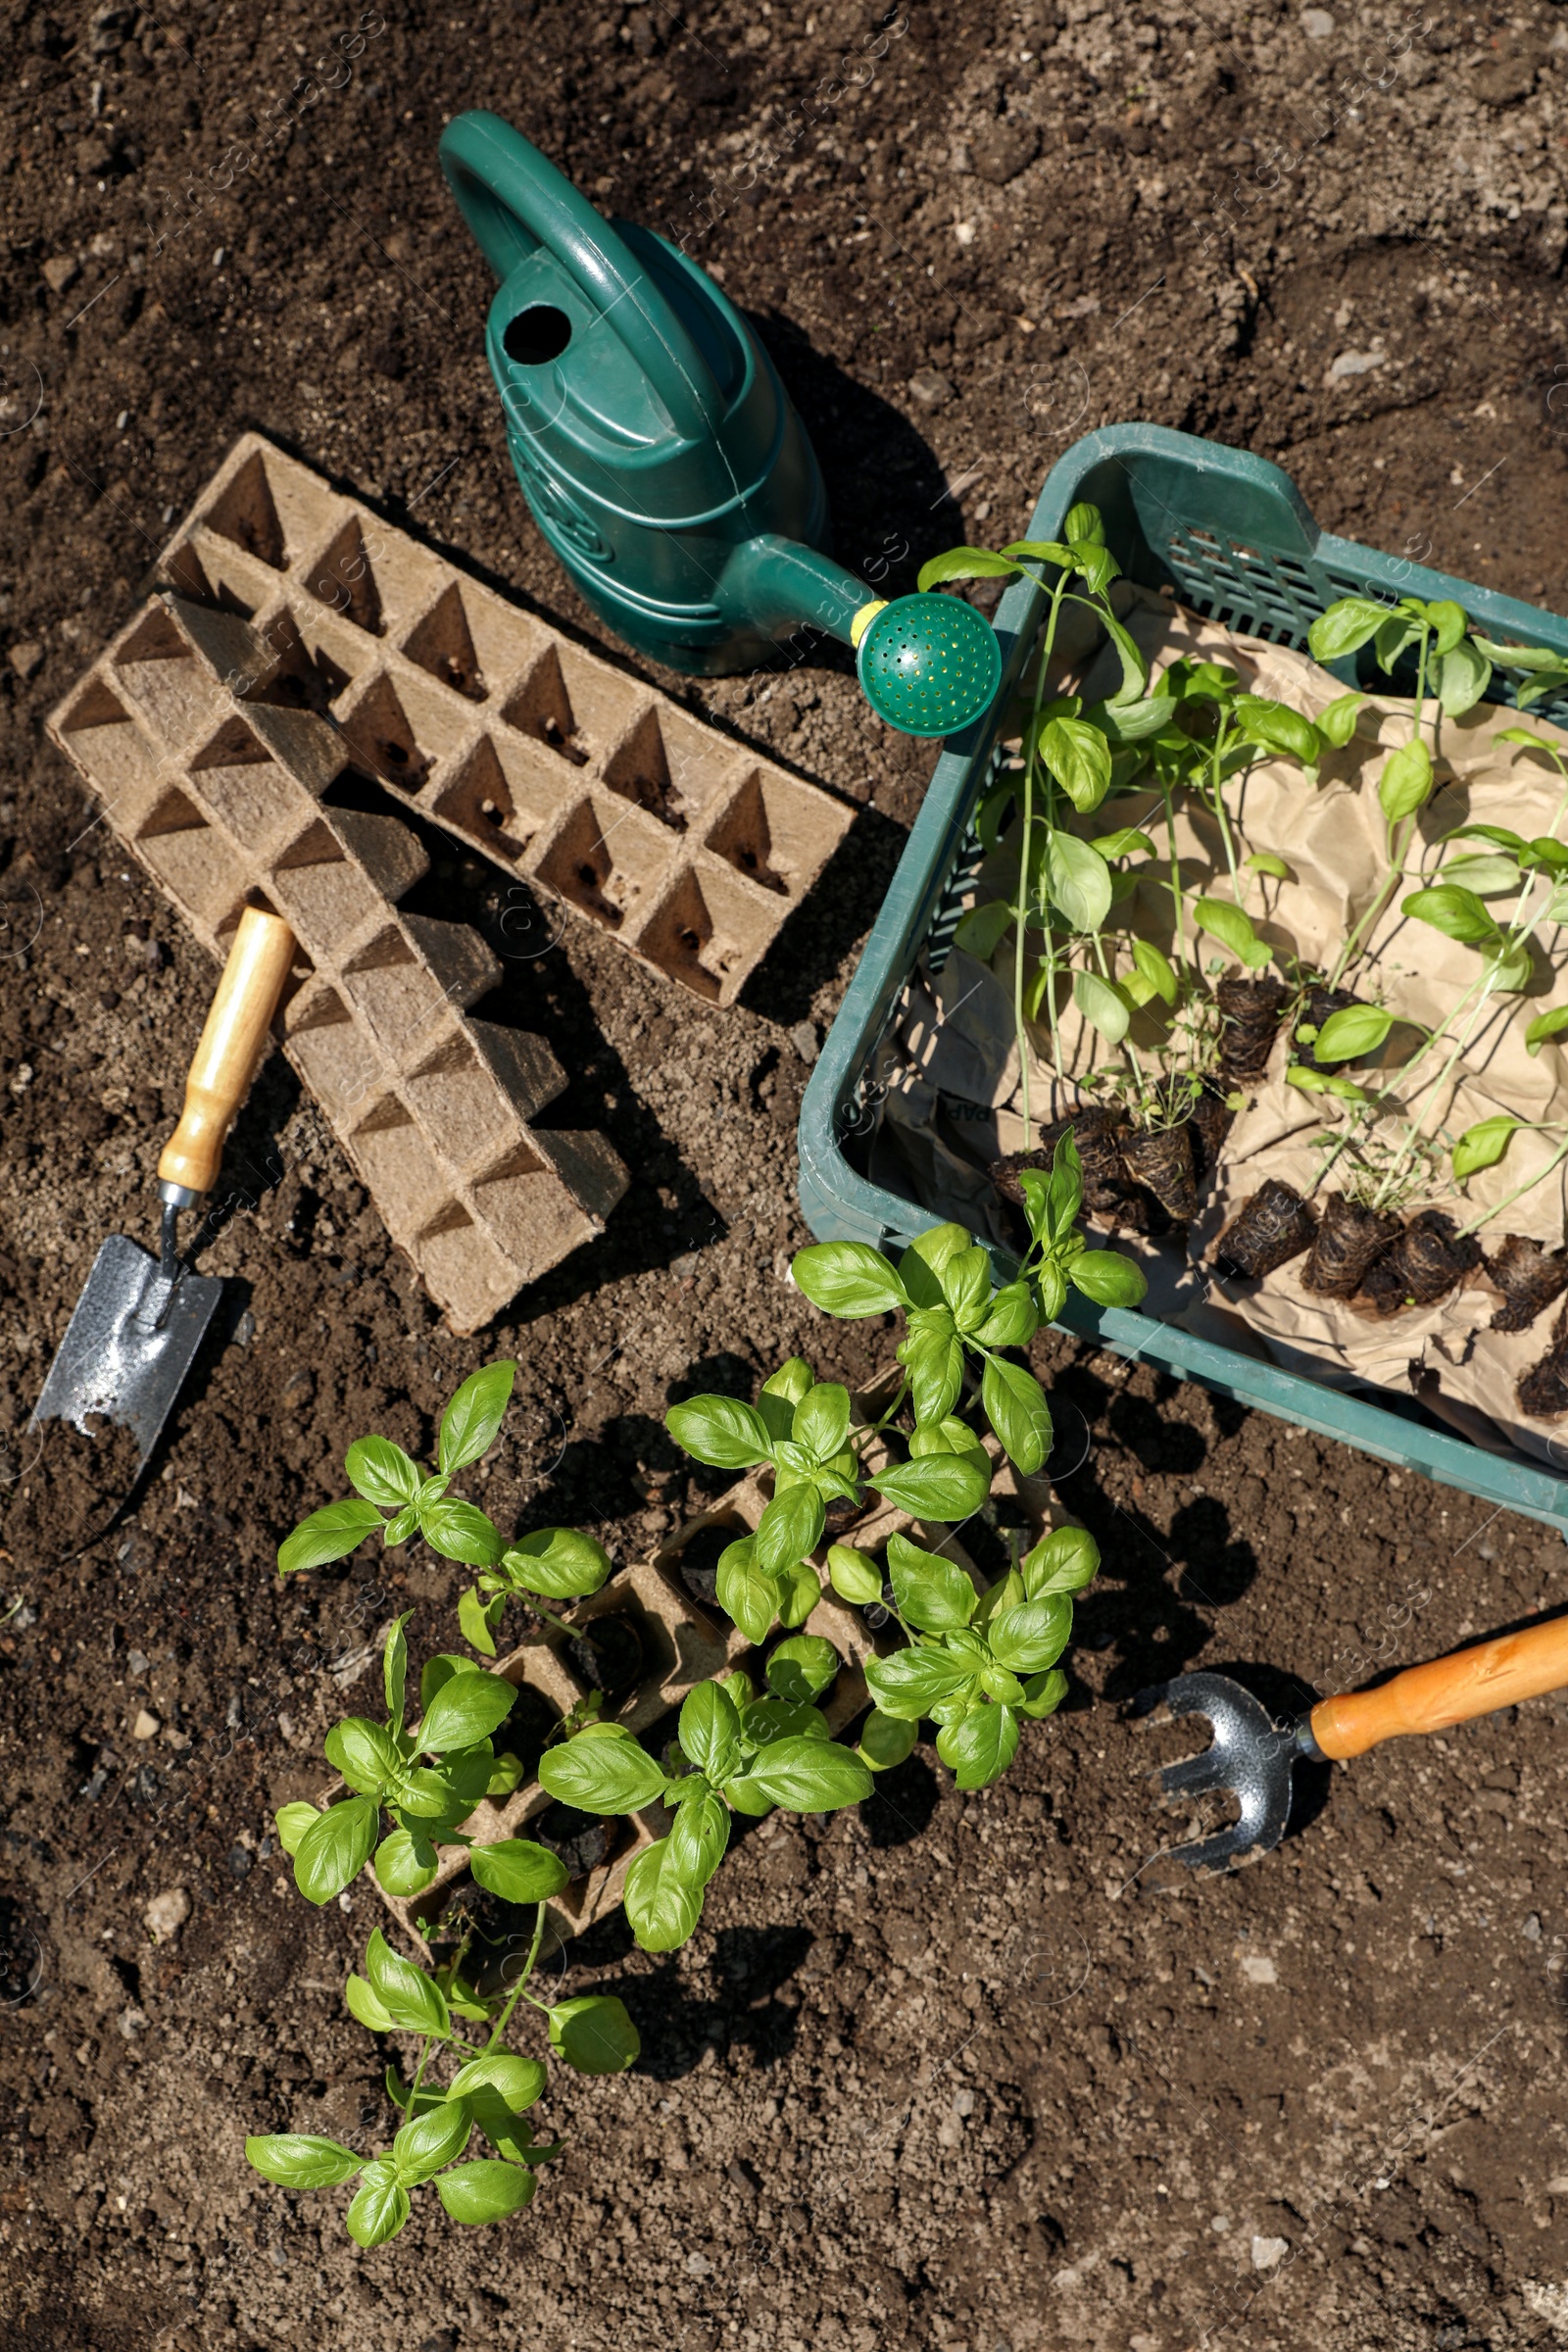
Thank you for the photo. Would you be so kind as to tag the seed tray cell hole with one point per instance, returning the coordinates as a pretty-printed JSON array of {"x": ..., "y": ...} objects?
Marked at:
[
  {"x": 542, "y": 707},
  {"x": 343, "y": 579},
  {"x": 443, "y": 643},
  {"x": 247, "y": 512}
]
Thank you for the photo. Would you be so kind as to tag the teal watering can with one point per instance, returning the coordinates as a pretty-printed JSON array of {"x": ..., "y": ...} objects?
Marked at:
[{"x": 662, "y": 459}]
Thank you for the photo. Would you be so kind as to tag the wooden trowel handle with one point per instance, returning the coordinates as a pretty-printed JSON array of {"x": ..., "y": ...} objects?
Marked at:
[
  {"x": 231, "y": 1045},
  {"x": 1428, "y": 1698}
]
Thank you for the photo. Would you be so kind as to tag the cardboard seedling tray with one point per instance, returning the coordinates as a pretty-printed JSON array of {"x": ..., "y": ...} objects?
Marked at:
[
  {"x": 687, "y": 1642},
  {"x": 216, "y": 790},
  {"x": 605, "y": 796}
]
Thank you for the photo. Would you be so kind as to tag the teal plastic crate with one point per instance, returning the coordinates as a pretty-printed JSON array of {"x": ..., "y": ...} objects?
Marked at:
[{"x": 1232, "y": 535}]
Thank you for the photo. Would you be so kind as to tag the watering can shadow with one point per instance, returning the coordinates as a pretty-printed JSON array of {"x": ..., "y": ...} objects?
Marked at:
[{"x": 662, "y": 459}]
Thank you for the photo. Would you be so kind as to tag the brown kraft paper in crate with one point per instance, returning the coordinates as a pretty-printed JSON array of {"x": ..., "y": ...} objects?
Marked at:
[{"x": 954, "y": 1093}]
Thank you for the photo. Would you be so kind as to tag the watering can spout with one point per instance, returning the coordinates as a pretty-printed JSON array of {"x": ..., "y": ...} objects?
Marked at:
[
  {"x": 782, "y": 588},
  {"x": 662, "y": 456}
]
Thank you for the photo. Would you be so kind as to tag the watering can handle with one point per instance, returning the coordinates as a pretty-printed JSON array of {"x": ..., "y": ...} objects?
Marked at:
[{"x": 514, "y": 200}]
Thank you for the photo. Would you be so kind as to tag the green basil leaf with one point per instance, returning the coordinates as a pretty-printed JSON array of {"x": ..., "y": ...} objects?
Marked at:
[
  {"x": 365, "y": 1753},
  {"x": 1103, "y": 1005},
  {"x": 1276, "y": 727},
  {"x": 431, "y": 2141},
  {"x": 1085, "y": 522},
  {"x": 769, "y": 1719},
  {"x": 1461, "y": 675},
  {"x": 336, "y": 1848},
  {"x": 931, "y": 1594},
  {"x": 1076, "y": 879},
  {"x": 459, "y": 1530},
  {"x": 790, "y": 1527},
  {"x": 721, "y": 1431},
  {"x": 802, "y": 1668},
  {"x": 1043, "y": 1694},
  {"x": 979, "y": 1748},
  {"x": 380, "y": 2209},
  {"x": 853, "y": 1576},
  {"x": 744, "y": 1591},
  {"x": 517, "y": 1870},
  {"x": 365, "y": 2008},
  {"x": 1032, "y": 1638},
  {"x": 558, "y": 1562},
  {"x": 463, "y": 1711},
  {"x": 984, "y": 928},
  {"x": 517, "y": 2081},
  {"x": 821, "y": 1420},
  {"x": 964, "y": 563},
  {"x": 934, "y": 1362},
  {"x": 297, "y": 2160},
  {"x": 485, "y": 2190},
  {"x": 329, "y": 1534},
  {"x": 1352, "y": 1033},
  {"x": 1489, "y": 876},
  {"x": 595, "y": 2035},
  {"x": 1484, "y": 1144},
  {"x": 1232, "y": 928},
  {"x": 1158, "y": 971},
  {"x": 911, "y": 1682},
  {"x": 1544, "y": 1025},
  {"x": 944, "y": 1487},
  {"x": 808, "y": 1776},
  {"x": 967, "y": 1286},
  {"x": 1345, "y": 628},
  {"x": 292, "y": 1822},
  {"x": 1108, "y": 1278},
  {"x": 847, "y": 1279},
  {"x": 1012, "y": 1319},
  {"x": 1015, "y": 1407},
  {"x": 382, "y": 1472},
  {"x": 395, "y": 1670},
  {"x": 1043, "y": 550},
  {"x": 698, "y": 1837},
  {"x": 1407, "y": 781},
  {"x": 601, "y": 1775},
  {"x": 478, "y": 1619},
  {"x": 1337, "y": 724},
  {"x": 1457, "y": 914},
  {"x": 886, "y": 1740},
  {"x": 410, "y": 1998},
  {"x": 437, "y": 1672},
  {"x": 1079, "y": 758},
  {"x": 471, "y": 1421},
  {"x": 663, "y": 1905},
  {"x": 709, "y": 1726},
  {"x": 399, "y": 1868},
  {"x": 1064, "y": 1561}
]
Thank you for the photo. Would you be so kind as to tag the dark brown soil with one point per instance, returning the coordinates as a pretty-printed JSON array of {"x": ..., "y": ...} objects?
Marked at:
[
  {"x": 1348, "y": 1241},
  {"x": 1271, "y": 1228},
  {"x": 67, "y": 1485},
  {"x": 1251, "y": 1011},
  {"x": 1162, "y": 1163},
  {"x": 1430, "y": 1258},
  {"x": 1529, "y": 1277},
  {"x": 937, "y": 2073}
]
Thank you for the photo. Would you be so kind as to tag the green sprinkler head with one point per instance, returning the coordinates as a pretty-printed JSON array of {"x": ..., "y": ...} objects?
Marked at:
[{"x": 928, "y": 665}]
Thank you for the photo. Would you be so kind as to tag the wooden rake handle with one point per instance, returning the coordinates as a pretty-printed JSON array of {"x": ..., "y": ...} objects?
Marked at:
[
  {"x": 1428, "y": 1698},
  {"x": 231, "y": 1045}
]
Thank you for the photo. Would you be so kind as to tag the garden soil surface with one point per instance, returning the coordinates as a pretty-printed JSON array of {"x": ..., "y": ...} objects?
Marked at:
[{"x": 942, "y": 2071}]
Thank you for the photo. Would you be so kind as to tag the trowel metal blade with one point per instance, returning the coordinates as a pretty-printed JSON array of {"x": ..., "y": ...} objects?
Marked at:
[{"x": 129, "y": 1344}]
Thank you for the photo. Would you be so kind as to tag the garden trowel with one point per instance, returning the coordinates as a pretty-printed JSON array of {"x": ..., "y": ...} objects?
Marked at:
[
  {"x": 140, "y": 1319},
  {"x": 1251, "y": 1755}
]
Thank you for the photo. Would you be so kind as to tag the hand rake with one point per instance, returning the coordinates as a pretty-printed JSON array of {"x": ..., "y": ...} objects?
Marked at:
[{"x": 1251, "y": 1755}]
